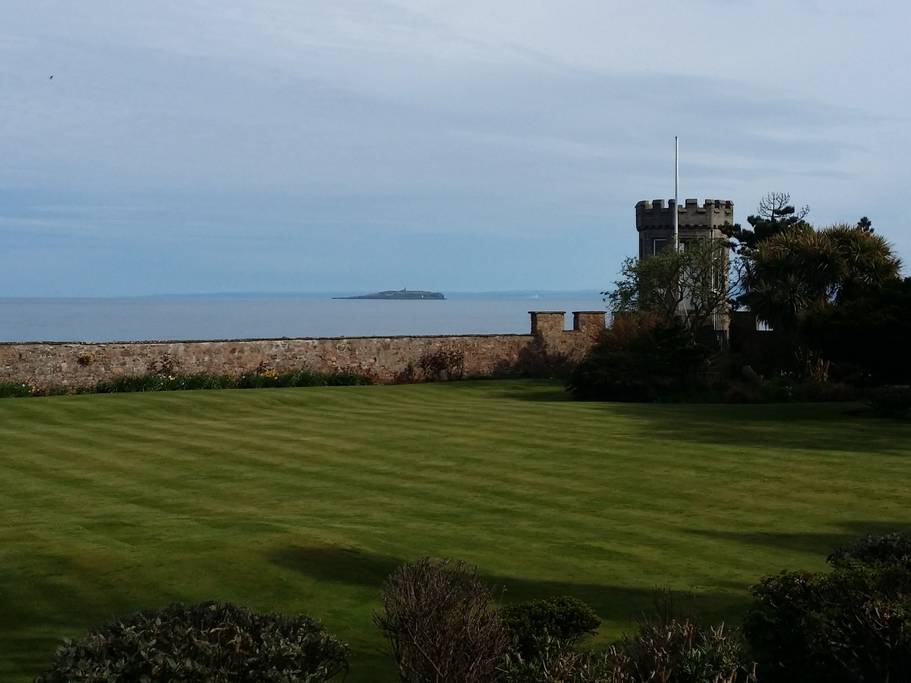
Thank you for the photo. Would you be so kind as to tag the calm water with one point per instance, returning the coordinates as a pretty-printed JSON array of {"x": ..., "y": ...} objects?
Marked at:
[{"x": 240, "y": 317}]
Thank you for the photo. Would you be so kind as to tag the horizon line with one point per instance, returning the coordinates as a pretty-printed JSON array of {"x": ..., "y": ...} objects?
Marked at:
[{"x": 292, "y": 293}]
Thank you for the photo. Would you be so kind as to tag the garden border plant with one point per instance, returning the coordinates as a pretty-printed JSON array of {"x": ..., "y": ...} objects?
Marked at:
[{"x": 262, "y": 377}]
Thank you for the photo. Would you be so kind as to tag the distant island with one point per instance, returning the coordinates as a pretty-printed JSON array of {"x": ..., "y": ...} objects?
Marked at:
[{"x": 397, "y": 295}]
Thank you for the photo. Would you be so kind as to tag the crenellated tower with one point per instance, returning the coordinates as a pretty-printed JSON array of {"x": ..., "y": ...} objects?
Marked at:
[{"x": 655, "y": 222}]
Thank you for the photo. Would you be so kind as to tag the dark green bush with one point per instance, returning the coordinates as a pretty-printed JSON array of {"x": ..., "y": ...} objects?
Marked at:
[
  {"x": 344, "y": 379},
  {"x": 261, "y": 379},
  {"x": 866, "y": 336},
  {"x": 640, "y": 359},
  {"x": 131, "y": 383},
  {"x": 154, "y": 381},
  {"x": 784, "y": 389},
  {"x": 15, "y": 390},
  {"x": 251, "y": 380},
  {"x": 562, "y": 618},
  {"x": 134, "y": 383},
  {"x": 851, "y": 624},
  {"x": 894, "y": 549},
  {"x": 204, "y": 642},
  {"x": 891, "y": 401}
]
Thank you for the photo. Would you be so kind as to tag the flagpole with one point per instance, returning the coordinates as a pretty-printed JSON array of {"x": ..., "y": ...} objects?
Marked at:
[{"x": 676, "y": 198}]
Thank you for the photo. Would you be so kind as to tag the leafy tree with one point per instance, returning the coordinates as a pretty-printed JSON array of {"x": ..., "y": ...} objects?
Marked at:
[
  {"x": 690, "y": 285},
  {"x": 866, "y": 261}
]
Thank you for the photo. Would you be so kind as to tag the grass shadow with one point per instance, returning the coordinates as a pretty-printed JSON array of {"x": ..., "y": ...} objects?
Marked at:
[
  {"x": 612, "y": 603},
  {"x": 820, "y": 544},
  {"x": 835, "y": 427}
]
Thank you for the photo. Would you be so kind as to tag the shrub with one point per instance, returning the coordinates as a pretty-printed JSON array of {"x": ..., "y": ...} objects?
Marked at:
[
  {"x": 873, "y": 550},
  {"x": 812, "y": 391},
  {"x": 265, "y": 377},
  {"x": 640, "y": 358},
  {"x": 866, "y": 336},
  {"x": 441, "y": 624},
  {"x": 681, "y": 651},
  {"x": 671, "y": 651},
  {"x": 15, "y": 390},
  {"x": 131, "y": 383},
  {"x": 562, "y": 618},
  {"x": 891, "y": 401},
  {"x": 341, "y": 379},
  {"x": 851, "y": 624},
  {"x": 260, "y": 378},
  {"x": 553, "y": 661},
  {"x": 203, "y": 642}
]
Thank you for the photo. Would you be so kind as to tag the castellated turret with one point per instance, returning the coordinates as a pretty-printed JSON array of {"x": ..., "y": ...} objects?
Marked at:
[{"x": 655, "y": 222}]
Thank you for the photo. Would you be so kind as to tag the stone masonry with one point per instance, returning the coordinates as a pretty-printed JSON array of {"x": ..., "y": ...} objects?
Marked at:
[
  {"x": 655, "y": 222},
  {"x": 385, "y": 359}
]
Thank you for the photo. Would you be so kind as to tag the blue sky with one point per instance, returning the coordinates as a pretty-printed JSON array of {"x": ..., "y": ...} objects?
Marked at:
[{"x": 286, "y": 145}]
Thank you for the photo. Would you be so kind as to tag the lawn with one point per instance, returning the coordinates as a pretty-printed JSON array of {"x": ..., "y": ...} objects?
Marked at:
[{"x": 303, "y": 500}]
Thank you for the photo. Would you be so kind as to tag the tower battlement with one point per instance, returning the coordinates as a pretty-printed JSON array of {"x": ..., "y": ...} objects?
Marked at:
[
  {"x": 658, "y": 214},
  {"x": 655, "y": 222}
]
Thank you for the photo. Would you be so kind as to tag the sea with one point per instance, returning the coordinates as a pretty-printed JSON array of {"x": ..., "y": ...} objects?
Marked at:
[{"x": 260, "y": 316}]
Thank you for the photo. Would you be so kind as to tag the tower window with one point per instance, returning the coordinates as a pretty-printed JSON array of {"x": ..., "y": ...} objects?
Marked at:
[{"x": 659, "y": 244}]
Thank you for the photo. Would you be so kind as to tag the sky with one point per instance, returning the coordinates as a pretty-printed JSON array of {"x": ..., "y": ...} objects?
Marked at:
[{"x": 188, "y": 146}]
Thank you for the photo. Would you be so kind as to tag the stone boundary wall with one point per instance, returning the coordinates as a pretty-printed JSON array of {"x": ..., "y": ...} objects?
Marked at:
[{"x": 385, "y": 359}]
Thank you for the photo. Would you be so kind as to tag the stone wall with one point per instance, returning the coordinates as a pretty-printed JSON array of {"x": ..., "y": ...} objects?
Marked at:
[{"x": 385, "y": 359}]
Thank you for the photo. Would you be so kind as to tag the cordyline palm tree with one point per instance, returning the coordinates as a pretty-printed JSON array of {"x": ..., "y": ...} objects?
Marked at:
[
  {"x": 801, "y": 269},
  {"x": 867, "y": 260}
]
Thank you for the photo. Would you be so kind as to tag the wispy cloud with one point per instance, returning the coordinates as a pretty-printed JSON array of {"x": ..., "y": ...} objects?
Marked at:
[{"x": 355, "y": 134}]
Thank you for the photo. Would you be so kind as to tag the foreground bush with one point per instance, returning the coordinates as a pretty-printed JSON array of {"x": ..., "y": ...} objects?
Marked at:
[
  {"x": 564, "y": 619},
  {"x": 204, "y": 642},
  {"x": 441, "y": 624},
  {"x": 891, "y": 401},
  {"x": 888, "y": 549},
  {"x": 850, "y": 624},
  {"x": 680, "y": 651},
  {"x": 671, "y": 651},
  {"x": 640, "y": 358},
  {"x": 553, "y": 661}
]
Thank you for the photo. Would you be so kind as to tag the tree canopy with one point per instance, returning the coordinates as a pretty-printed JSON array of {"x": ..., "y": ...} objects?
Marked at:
[
  {"x": 801, "y": 269},
  {"x": 774, "y": 215},
  {"x": 691, "y": 285}
]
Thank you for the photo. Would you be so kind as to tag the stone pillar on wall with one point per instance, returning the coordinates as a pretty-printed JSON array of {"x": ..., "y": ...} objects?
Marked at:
[
  {"x": 590, "y": 323},
  {"x": 547, "y": 325}
]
